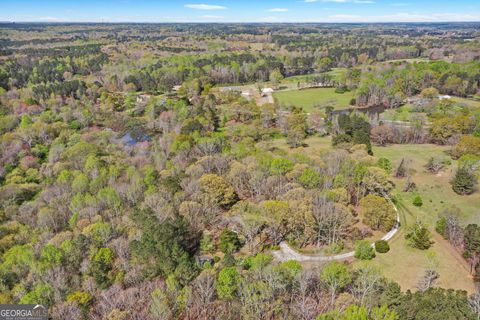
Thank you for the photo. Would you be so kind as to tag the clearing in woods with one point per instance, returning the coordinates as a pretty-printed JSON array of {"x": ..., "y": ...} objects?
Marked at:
[
  {"x": 316, "y": 97},
  {"x": 402, "y": 263}
]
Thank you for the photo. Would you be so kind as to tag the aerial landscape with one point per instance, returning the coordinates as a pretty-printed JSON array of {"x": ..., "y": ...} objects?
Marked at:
[{"x": 313, "y": 159}]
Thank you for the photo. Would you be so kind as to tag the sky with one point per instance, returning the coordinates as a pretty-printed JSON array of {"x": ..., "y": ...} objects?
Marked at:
[{"x": 239, "y": 11}]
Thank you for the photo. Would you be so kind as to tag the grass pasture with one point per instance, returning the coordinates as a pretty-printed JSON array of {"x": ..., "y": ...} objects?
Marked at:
[
  {"x": 309, "y": 98},
  {"x": 435, "y": 189},
  {"x": 471, "y": 103},
  {"x": 404, "y": 264}
]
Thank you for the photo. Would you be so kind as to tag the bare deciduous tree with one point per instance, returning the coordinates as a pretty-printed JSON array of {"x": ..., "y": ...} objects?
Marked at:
[
  {"x": 365, "y": 281},
  {"x": 475, "y": 303},
  {"x": 202, "y": 297},
  {"x": 331, "y": 221},
  {"x": 428, "y": 280}
]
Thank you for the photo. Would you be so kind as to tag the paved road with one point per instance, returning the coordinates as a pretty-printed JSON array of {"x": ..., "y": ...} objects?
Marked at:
[{"x": 287, "y": 253}]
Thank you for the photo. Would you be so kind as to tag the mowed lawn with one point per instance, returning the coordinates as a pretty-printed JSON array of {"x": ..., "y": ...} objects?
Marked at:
[
  {"x": 309, "y": 98},
  {"x": 435, "y": 189},
  {"x": 406, "y": 265}
]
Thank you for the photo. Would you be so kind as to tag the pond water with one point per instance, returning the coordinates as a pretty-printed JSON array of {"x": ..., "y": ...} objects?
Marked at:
[{"x": 372, "y": 111}]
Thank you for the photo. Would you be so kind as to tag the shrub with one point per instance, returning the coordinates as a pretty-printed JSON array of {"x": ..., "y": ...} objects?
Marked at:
[
  {"x": 260, "y": 261},
  {"x": 441, "y": 226},
  {"x": 341, "y": 139},
  {"x": 419, "y": 237},
  {"x": 227, "y": 283},
  {"x": 381, "y": 246},
  {"x": 464, "y": 181},
  {"x": 280, "y": 166},
  {"x": 417, "y": 201},
  {"x": 336, "y": 247},
  {"x": 363, "y": 250},
  {"x": 83, "y": 299},
  {"x": 75, "y": 125},
  {"x": 385, "y": 164},
  {"x": 310, "y": 178},
  {"x": 341, "y": 89}
]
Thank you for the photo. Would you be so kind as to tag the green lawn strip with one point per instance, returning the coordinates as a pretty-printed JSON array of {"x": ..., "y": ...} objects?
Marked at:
[{"x": 309, "y": 98}]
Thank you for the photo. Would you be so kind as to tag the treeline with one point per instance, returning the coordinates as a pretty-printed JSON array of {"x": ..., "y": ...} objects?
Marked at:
[
  {"x": 463, "y": 238},
  {"x": 219, "y": 69},
  {"x": 42, "y": 66},
  {"x": 390, "y": 84}
]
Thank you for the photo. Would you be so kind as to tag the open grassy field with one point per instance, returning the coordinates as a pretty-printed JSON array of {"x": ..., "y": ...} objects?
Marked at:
[
  {"x": 399, "y": 114},
  {"x": 309, "y": 98},
  {"x": 404, "y": 264},
  {"x": 335, "y": 73},
  {"x": 313, "y": 145},
  {"x": 434, "y": 189},
  {"x": 472, "y": 103},
  {"x": 409, "y": 60}
]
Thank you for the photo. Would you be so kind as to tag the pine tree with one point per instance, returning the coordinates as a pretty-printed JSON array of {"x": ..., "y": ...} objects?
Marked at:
[
  {"x": 419, "y": 237},
  {"x": 401, "y": 169},
  {"x": 464, "y": 181}
]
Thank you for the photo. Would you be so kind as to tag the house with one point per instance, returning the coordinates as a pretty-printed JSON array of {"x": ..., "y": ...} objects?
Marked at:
[
  {"x": 176, "y": 88},
  {"x": 267, "y": 91}
]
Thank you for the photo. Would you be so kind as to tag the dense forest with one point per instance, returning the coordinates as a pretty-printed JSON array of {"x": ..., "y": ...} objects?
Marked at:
[{"x": 146, "y": 173}]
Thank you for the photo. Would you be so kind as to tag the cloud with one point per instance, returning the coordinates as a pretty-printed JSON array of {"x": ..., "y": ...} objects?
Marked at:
[
  {"x": 278, "y": 10},
  {"x": 364, "y": 1},
  {"x": 202, "y": 6}
]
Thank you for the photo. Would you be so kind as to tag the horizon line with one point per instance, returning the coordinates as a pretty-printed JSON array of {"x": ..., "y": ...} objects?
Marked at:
[{"x": 235, "y": 22}]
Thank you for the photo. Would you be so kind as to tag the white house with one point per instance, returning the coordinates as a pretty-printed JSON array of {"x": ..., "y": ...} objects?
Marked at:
[{"x": 444, "y": 97}]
